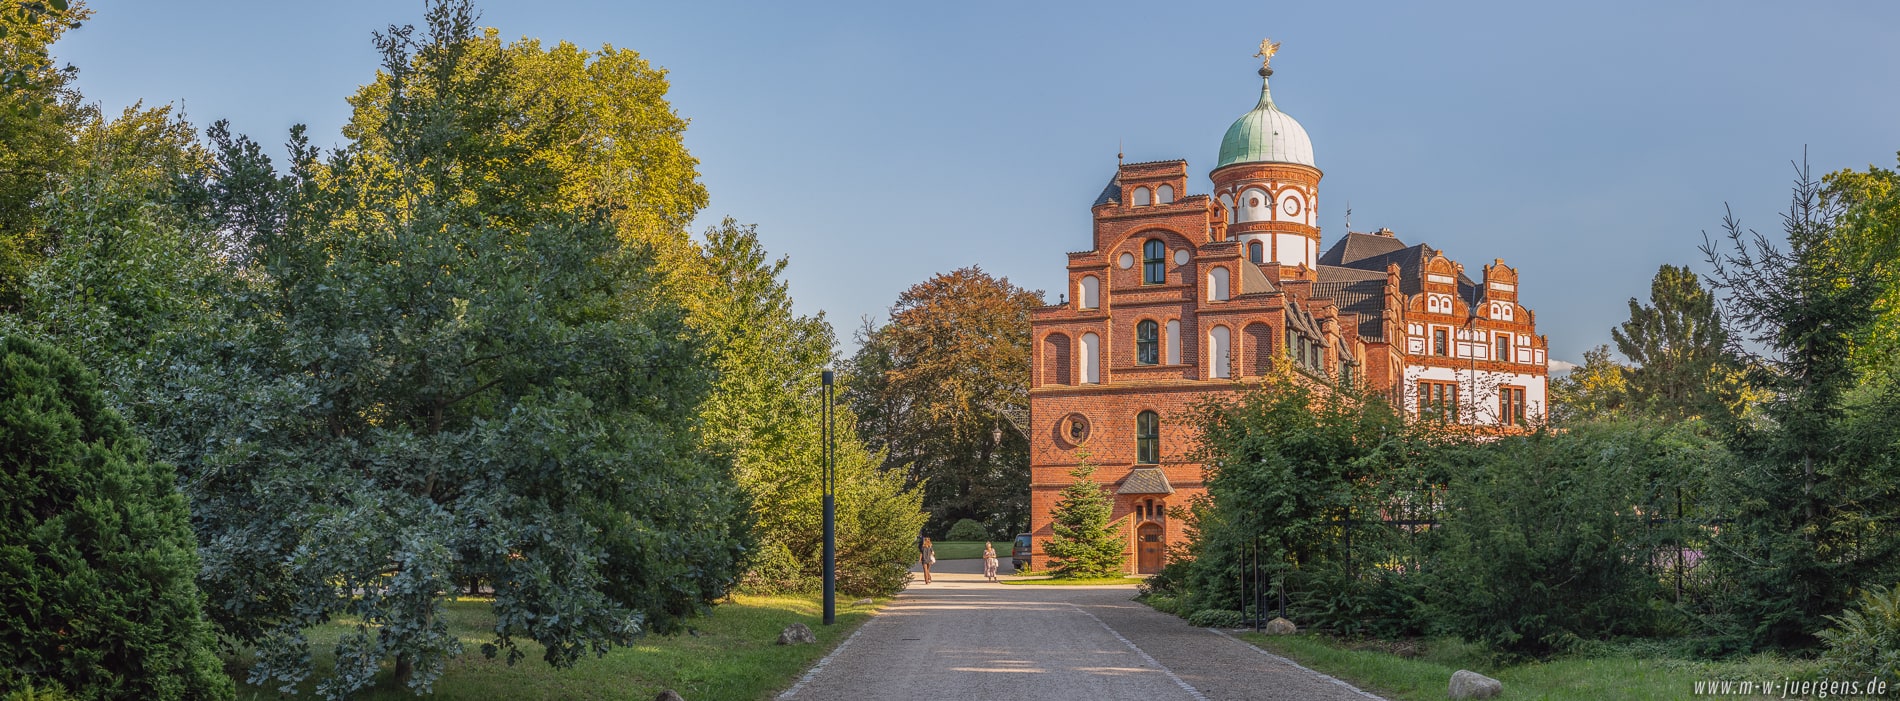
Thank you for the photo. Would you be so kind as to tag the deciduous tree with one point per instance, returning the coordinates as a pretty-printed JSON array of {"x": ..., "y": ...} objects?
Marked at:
[
  {"x": 930, "y": 386},
  {"x": 443, "y": 375}
]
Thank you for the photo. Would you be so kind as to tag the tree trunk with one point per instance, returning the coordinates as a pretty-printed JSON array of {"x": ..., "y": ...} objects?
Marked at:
[{"x": 405, "y": 668}]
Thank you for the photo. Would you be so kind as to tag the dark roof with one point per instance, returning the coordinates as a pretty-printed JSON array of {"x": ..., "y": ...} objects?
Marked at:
[
  {"x": 1334, "y": 273},
  {"x": 1363, "y": 297},
  {"x": 1111, "y": 194},
  {"x": 1356, "y": 247},
  {"x": 1145, "y": 480}
]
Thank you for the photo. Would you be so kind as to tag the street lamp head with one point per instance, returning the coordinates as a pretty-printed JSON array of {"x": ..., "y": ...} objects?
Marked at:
[
  {"x": 996, "y": 434},
  {"x": 826, "y": 376}
]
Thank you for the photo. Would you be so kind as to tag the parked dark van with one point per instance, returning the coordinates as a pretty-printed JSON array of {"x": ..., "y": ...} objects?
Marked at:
[{"x": 1019, "y": 553}]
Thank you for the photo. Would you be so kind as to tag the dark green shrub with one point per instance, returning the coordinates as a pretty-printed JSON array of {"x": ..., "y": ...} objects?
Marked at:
[
  {"x": 1543, "y": 542},
  {"x": 1381, "y": 603},
  {"x": 967, "y": 530},
  {"x": 775, "y": 571},
  {"x": 1865, "y": 640},
  {"x": 1217, "y": 618},
  {"x": 1162, "y": 603},
  {"x": 97, "y": 561}
]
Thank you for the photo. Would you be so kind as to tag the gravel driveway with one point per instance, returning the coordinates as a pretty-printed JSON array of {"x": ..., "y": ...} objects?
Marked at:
[{"x": 963, "y": 638}]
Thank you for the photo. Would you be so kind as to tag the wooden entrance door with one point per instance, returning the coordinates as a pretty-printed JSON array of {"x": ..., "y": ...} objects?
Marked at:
[{"x": 1148, "y": 548}]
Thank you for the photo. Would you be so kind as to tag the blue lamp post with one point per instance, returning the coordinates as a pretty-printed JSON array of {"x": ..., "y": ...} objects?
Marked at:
[{"x": 828, "y": 482}]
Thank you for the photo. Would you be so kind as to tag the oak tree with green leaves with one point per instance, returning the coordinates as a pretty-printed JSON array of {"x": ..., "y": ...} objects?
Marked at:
[
  {"x": 1594, "y": 390},
  {"x": 442, "y": 372}
]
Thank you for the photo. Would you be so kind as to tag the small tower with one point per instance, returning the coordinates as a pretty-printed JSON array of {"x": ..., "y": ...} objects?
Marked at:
[{"x": 1268, "y": 185}]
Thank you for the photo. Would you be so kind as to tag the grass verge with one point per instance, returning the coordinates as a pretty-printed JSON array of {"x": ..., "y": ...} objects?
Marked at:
[
  {"x": 1077, "y": 582},
  {"x": 963, "y": 549},
  {"x": 734, "y": 656},
  {"x": 1427, "y": 674}
]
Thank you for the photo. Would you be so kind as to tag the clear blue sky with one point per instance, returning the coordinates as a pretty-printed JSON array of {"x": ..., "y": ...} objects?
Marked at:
[{"x": 877, "y": 143}]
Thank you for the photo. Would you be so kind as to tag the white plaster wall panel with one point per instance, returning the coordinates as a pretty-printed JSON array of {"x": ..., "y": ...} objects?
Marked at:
[
  {"x": 1255, "y": 205},
  {"x": 1217, "y": 284},
  {"x": 1292, "y": 206},
  {"x": 1174, "y": 342},
  {"x": 1091, "y": 359},
  {"x": 1090, "y": 292},
  {"x": 1292, "y": 249},
  {"x": 1219, "y": 345}
]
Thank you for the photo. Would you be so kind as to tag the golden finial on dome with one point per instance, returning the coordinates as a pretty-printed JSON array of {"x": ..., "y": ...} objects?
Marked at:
[{"x": 1268, "y": 48}]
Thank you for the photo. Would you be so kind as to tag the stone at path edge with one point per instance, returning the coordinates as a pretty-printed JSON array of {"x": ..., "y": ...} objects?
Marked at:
[
  {"x": 796, "y": 634},
  {"x": 1466, "y": 684}
]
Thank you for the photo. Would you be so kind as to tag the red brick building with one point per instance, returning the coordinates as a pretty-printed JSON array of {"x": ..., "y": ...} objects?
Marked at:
[{"x": 1181, "y": 296}]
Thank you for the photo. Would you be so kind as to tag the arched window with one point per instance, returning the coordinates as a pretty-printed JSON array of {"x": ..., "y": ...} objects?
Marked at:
[
  {"x": 1165, "y": 194},
  {"x": 1154, "y": 255},
  {"x": 1090, "y": 294},
  {"x": 1256, "y": 252},
  {"x": 1217, "y": 284},
  {"x": 1147, "y": 343},
  {"x": 1141, "y": 198},
  {"x": 1091, "y": 359},
  {"x": 1148, "y": 438},
  {"x": 1055, "y": 358},
  {"x": 1259, "y": 340},
  {"x": 1174, "y": 342},
  {"x": 1217, "y": 349}
]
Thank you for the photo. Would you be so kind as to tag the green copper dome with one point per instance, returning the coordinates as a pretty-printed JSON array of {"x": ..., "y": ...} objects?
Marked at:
[{"x": 1265, "y": 135}]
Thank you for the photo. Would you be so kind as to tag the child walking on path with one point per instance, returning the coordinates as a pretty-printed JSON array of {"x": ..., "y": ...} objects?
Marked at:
[{"x": 989, "y": 562}]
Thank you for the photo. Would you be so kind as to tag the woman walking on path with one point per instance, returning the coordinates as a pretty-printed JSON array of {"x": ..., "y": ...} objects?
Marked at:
[
  {"x": 989, "y": 562},
  {"x": 929, "y": 558}
]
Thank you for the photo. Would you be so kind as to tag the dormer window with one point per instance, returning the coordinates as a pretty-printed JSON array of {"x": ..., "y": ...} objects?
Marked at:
[
  {"x": 1141, "y": 198},
  {"x": 1154, "y": 258}
]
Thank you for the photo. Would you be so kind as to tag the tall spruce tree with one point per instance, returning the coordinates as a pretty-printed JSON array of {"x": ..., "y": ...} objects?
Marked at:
[
  {"x": 1086, "y": 543},
  {"x": 1811, "y": 515}
]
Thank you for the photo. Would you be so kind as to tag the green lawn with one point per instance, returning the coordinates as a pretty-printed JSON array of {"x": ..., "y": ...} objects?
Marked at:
[
  {"x": 966, "y": 549},
  {"x": 733, "y": 657},
  {"x": 1079, "y": 581},
  {"x": 1426, "y": 673}
]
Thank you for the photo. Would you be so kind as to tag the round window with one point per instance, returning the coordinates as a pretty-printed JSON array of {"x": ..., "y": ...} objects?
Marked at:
[
  {"x": 1077, "y": 428},
  {"x": 1181, "y": 257},
  {"x": 1253, "y": 201},
  {"x": 1128, "y": 261}
]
